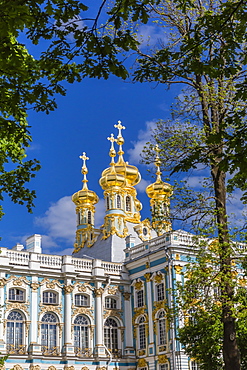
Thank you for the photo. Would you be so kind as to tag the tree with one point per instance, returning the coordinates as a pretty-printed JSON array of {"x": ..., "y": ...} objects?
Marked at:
[
  {"x": 204, "y": 50},
  {"x": 65, "y": 47}
]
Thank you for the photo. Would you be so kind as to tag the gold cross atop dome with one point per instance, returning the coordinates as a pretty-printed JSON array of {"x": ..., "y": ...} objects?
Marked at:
[
  {"x": 84, "y": 169},
  {"x": 157, "y": 163},
  {"x": 112, "y": 152},
  {"x": 120, "y": 128}
]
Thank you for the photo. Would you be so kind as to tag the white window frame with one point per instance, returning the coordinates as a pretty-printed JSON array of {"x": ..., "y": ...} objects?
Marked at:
[
  {"x": 50, "y": 295},
  {"x": 81, "y": 299},
  {"x": 14, "y": 297}
]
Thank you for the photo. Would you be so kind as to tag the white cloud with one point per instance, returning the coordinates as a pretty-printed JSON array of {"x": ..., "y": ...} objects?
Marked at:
[
  {"x": 141, "y": 187},
  {"x": 149, "y": 35},
  {"x": 143, "y": 137},
  {"x": 60, "y": 223}
]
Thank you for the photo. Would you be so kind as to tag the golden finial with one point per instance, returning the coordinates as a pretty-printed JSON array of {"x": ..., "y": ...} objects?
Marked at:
[
  {"x": 158, "y": 163},
  {"x": 84, "y": 170},
  {"x": 112, "y": 152},
  {"x": 120, "y": 141}
]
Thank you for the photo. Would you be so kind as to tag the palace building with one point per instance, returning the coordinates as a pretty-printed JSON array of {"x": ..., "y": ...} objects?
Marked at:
[{"x": 104, "y": 307}]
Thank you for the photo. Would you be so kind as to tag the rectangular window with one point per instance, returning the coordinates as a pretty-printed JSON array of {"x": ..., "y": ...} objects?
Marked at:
[
  {"x": 16, "y": 295},
  {"x": 50, "y": 298},
  {"x": 160, "y": 292},
  {"x": 140, "y": 298},
  {"x": 110, "y": 303},
  {"x": 164, "y": 366},
  {"x": 81, "y": 300}
]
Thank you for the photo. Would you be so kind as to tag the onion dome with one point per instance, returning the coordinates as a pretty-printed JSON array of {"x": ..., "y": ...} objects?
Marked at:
[
  {"x": 120, "y": 173},
  {"x": 159, "y": 190},
  {"x": 110, "y": 178},
  {"x": 85, "y": 196}
]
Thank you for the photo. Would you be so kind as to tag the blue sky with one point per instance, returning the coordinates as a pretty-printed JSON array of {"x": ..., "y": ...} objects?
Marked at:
[{"x": 83, "y": 121}]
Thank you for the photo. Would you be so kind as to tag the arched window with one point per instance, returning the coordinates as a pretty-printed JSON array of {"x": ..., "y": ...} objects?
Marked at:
[
  {"x": 50, "y": 298},
  {"x": 111, "y": 335},
  {"x": 78, "y": 218},
  {"x": 81, "y": 334},
  {"x": 15, "y": 333},
  {"x": 49, "y": 334},
  {"x": 16, "y": 294},
  {"x": 81, "y": 300},
  {"x": 89, "y": 217},
  {"x": 128, "y": 204},
  {"x": 162, "y": 328},
  {"x": 118, "y": 201},
  {"x": 110, "y": 303},
  {"x": 141, "y": 333}
]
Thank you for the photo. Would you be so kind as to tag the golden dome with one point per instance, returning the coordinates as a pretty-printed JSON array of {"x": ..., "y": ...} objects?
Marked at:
[
  {"x": 159, "y": 189},
  {"x": 120, "y": 173},
  {"x": 85, "y": 196}
]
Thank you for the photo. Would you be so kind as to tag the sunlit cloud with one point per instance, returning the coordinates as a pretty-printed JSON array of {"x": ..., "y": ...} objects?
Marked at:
[
  {"x": 150, "y": 35},
  {"x": 143, "y": 137},
  {"x": 141, "y": 187}
]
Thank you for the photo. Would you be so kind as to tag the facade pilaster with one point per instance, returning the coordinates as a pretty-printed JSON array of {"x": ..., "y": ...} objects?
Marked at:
[
  {"x": 34, "y": 346},
  {"x": 150, "y": 310},
  {"x": 2, "y": 287},
  {"x": 68, "y": 347},
  {"x": 99, "y": 347},
  {"x": 129, "y": 348}
]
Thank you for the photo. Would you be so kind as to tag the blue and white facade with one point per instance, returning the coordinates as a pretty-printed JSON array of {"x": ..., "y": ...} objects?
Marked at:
[{"x": 105, "y": 307}]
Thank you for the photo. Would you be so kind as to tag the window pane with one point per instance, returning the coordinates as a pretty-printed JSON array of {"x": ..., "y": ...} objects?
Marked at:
[
  {"x": 81, "y": 300},
  {"x": 140, "y": 298},
  {"x": 110, "y": 303},
  {"x": 160, "y": 292}
]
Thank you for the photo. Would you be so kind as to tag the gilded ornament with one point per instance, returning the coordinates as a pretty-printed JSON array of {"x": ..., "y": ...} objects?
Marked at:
[
  {"x": 147, "y": 265},
  {"x": 34, "y": 286},
  {"x": 113, "y": 290},
  {"x": 3, "y": 281},
  {"x": 142, "y": 352},
  {"x": 82, "y": 288},
  {"x": 127, "y": 296},
  {"x": 2, "y": 367},
  {"x": 139, "y": 285},
  {"x": 158, "y": 278},
  {"x": 101, "y": 368},
  {"x": 68, "y": 289},
  {"x": 56, "y": 309},
  {"x": 98, "y": 292},
  {"x": 177, "y": 256},
  {"x": 84, "y": 368},
  {"x": 17, "y": 367},
  {"x": 142, "y": 362},
  {"x": 17, "y": 306},
  {"x": 52, "y": 367},
  {"x": 69, "y": 367},
  {"x": 19, "y": 281},
  {"x": 178, "y": 269},
  {"x": 112, "y": 312},
  {"x": 148, "y": 276},
  {"x": 34, "y": 367},
  {"x": 162, "y": 359},
  {"x": 83, "y": 311}
]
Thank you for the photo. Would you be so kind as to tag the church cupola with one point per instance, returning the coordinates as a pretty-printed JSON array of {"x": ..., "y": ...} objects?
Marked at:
[
  {"x": 160, "y": 193},
  {"x": 85, "y": 201},
  {"x": 118, "y": 183}
]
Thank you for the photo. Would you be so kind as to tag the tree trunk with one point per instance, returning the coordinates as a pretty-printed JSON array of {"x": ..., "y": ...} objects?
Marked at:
[{"x": 231, "y": 355}]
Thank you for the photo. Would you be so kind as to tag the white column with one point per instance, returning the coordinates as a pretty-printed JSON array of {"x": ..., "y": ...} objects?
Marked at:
[
  {"x": 68, "y": 346},
  {"x": 129, "y": 349},
  {"x": 99, "y": 347},
  {"x": 2, "y": 284},
  {"x": 67, "y": 314},
  {"x": 149, "y": 306},
  {"x": 34, "y": 311}
]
